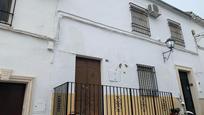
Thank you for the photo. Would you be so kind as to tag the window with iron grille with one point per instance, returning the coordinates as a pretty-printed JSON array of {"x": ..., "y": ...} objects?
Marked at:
[
  {"x": 176, "y": 33},
  {"x": 140, "y": 21},
  {"x": 7, "y": 11},
  {"x": 60, "y": 100},
  {"x": 147, "y": 79}
]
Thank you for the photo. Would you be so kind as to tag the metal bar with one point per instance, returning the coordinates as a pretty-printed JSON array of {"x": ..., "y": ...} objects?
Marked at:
[
  {"x": 128, "y": 110},
  {"x": 118, "y": 99},
  {"x": 6, "y": 12},
  {"x": 71, "y": 99},
  {"x": 155, "y": 110},
  {"x": 137, "y": 99},
  {"x": 159, "y": 103},
  {"x": 114, "y": 111},
  {"x": 107, "y": 105},
  {"x": 131, "y": 104},
  {"x": 67, "y": 97},
  {"x": 124, "y": 96},
  {"x": 110, "y": 100},
  {"x": 13, "y": 13},
  {"x": 121, "y": 101},
  {"x": 172, "y": 101},
  {"x": 99, "y": 100},
  {"x": 102, "y": 104}
]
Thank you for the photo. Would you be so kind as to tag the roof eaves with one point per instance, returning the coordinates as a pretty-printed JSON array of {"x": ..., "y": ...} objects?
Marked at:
[
  {"x": 161, "y": 2},
  {"x": 191, "y": 15},
  {"x": 196, "y": 18}
]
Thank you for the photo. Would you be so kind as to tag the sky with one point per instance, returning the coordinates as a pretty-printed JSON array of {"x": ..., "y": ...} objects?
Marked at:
[{"x": 197, "y": 6}]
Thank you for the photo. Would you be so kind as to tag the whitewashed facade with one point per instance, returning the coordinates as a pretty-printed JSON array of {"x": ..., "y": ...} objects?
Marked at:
[
  {"x": 24, "y": 51},
  {"x": 97, "y": 30}
]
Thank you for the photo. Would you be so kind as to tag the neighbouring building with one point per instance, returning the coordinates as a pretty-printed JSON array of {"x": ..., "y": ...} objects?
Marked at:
[{"x": 74, "y": 57}]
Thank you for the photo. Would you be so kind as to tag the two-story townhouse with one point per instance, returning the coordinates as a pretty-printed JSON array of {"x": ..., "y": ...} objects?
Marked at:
[
  {"x": 110, "y": 52},
  {"x": 26, "y": 29}
]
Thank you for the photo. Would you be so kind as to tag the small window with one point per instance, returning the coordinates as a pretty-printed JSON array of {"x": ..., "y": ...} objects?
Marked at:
[
  {"x": 147, "y": 80},
  {"x": 176, "y": 33},
  {"x": 140, "y": 21},
  {"x": 6, "y": 11}
]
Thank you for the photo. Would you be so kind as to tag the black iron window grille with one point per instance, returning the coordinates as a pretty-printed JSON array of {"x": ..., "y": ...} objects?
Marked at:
[
  {"x": 176, "y": 33},
  {"x": 7, "y": 8},
  {"x": 59, "y": 101},
  {"x": 60, "y": 98},
  {"x": 147, "y": 80},
  {"x": 140, "y": 21},
  {"x": 93, "y": 99}
]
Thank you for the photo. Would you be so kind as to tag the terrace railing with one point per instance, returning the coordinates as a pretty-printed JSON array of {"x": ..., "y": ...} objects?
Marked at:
[{"x": 89, "y": 99}]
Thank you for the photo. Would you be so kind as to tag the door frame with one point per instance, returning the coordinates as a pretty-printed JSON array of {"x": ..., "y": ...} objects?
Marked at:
[
  {"x": 26, "y": 110},
  {"x": 194, "y": 88}
]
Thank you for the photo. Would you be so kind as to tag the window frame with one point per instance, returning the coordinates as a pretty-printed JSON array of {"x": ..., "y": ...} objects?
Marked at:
[
  {"x": 147, "y": 91},
  {"x": 179, "y": 41},
  {"x": 137, "y": 26},
  {"x": 9, "y": 13}
]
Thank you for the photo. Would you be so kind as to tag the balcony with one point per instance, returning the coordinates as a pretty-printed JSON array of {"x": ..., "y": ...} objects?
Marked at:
[{"x": 89, "y": 99}]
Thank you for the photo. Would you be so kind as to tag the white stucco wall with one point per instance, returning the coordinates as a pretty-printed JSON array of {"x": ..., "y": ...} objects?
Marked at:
[
  {"x": 26, "y": 55},
  {"x": 117, "y": 14},
  {"x": 29, "y": 57},
  {"x": 36, "y": 16},
  {"x": 81, "y": 39}
]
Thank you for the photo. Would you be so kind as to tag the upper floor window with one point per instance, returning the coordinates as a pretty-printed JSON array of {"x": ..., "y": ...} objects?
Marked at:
[
  {"x": 140, "y": 21},
  {"x": 176, "y": 33},
  {"x": 147, "y": 79},
  {"x": 6, "y": 11}
]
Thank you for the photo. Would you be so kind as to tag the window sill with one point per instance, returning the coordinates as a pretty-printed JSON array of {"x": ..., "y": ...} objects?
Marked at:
[
  {"x": 5, "y": 23},
  {"x": 6, "y": 26},
  {"x": 140, "y": 34}
]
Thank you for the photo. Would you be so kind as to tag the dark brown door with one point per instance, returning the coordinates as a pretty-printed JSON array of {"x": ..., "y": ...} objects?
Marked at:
[
  {"x": 88, "y": 87},
  {"x": 11, "y": 98},
  {"x": 186, "y": 91}
]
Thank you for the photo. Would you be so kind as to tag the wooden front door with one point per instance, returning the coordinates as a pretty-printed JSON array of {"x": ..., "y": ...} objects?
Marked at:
[
  {"x": 186, "y": 91},
  {"x": 11, "y": 98},
  {"x": 88, "y": 87}
]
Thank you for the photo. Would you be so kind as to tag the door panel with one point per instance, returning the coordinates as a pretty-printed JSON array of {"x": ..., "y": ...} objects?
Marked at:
[
  {"x": 186, "y": 91},
  {"x": 11, "y": 98},
  {"x": 87, "y": 89}
]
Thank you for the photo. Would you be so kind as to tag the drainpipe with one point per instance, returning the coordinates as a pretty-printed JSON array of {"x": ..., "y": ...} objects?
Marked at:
[{"x": 57, "y": 36}]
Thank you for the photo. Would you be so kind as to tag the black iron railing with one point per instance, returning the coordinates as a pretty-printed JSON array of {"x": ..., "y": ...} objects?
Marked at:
[
  {"x": 7, "y": 8},
  {"x": 88, "y": 99}
]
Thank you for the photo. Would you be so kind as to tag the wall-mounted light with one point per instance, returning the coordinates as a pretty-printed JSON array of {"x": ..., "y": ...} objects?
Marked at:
[{"x": 170, "y": 43}]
